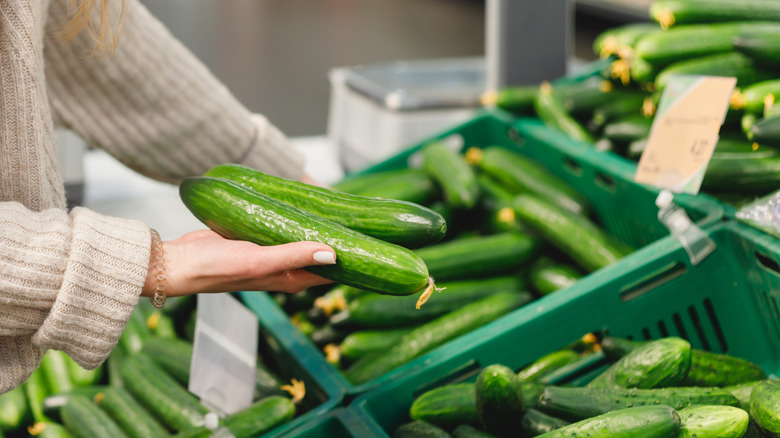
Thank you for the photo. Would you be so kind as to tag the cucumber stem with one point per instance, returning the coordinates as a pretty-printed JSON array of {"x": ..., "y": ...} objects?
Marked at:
[
  {"x": 427, "y": 293},
  {"x": 297, "y": 389},
  {"x": 332, "y": 353}
]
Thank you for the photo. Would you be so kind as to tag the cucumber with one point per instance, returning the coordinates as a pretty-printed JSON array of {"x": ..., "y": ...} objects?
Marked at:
[
  {"x": 575, "y": 403},
  {"x": 734, "y": 64},
  {"x": 129, "y": 414},
  {"x": 364, "y": 262},
  {"x": 499, "y": 398},
  {"x": 755, "y": 96},
  {"x": 113, "y": 362},
  {"x": 641, "y": 421},
  {"x": 400, "y": 222},
  {"x": 656, "y": 364},
  {"x": 365, "y": 342},
  {"x": 385, "y": 311},
  {"x": 583, "y": 97},
  {"x": 713, "y": 369},
  {"x": 622, "y": 106},
  {"x": 620, "y": 40},
  {"x": 689, "y": 41},
  {"x": 135, "y": 333},
  {"x": 81, "y": 376},
  {"x": 520, "y": 174},
  {"x": 742, "y": 392},
  {"x": 14, "y": 409},
  {"x": 638, "y": 70},
  {"x": 262, "y": 416},
  {"x": 615, "y": 347},
  {"x": 750, "y": 175},
  {"x": 450, "y": 171},
  {"x": 405, "y": 184},
  {"x": 674, "y": 12},
  {"x": 713, "y": 422},
  {"x": 161, "y": 394},
  {"x": 575, "y": 235},
  {"x": 419, "y": 429},
  {"x": 547, "y": 364},
  {"x": 468, "y": 431},
  {"x": 469, "y": 257},
  {"x": 49, "y": 429},
  {"x": 447, "y": 406},
  {"x": 36, "y": 392},
  {"x": 536, "y": 422},
  {"x": 762, "y": 45},
  {"x": 433, "y": 334},
  {"x": 547, "y": 276},
  {"x": 54, "y": 365},
  {"x": 766, "y": 130},
  {"x": 765, "y": 406},
  {"x": 517, "y": 99},
  {"x": 628, "y": 129},
  {"x": 84, "y": 419},
  {"x": 172, "y": 354},
  {"x": 51, "y": 405},
  {"x": 550, "y": 110}
]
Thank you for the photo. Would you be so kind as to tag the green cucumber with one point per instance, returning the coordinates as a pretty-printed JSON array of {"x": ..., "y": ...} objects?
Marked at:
[
  {"x": 14, "y": 409},
  {"x": 765, "y": 406},
  {"x": 400, "y": 222},
  {"x": 689, "y": 41},
  {"x": 674, "y": 12},
  {"x": 129, "y": 414},
  {"x": 713, "y": 422},
  {"x": 449, "y": 169},
  {"x": 762, "y": 45},
  {"x": 386, "y": 311},
  {"x": 755, "y": 97},
  {"x": 615, "y": 347},
  {"x": 742, "y": 392},
  {"x": 641, "y": 421},
  {"x": 468, "y": 257},
  {"x": 499, "y": 398},
  {"x": 135, "y": 333},
  {"x": 547, "y": 276},
  {"x": 495, "y": 195},
  {"x": 583, "y": 97},
  {"x": 433, "y": 334},
  {"x": 766, "y": 130},
  {"x": 656, "y": 364},
  {"x": 520, "y": 174},
  {"x": 405, "y": 184},
  {"x": 113, "y": 362},
  {"x": 51, "y": 405},
  {"x": 469, "y": 431},
  {"x": 536, "y": 422},
  {"x": 172, "y": 354},
  {"x": 161, "y": 394},
  {"x": 575, "y": 403},
  {"x": 84, "y": 419},
  {"x": 637, "y": 70},
  {"x": 419, "y": 429},
  {"x": 447, "y": 406},
  {"x": 81, "y": 376},
  {"x": 366, "y": 342},
  {"x": 262, "y": 416},
  {"x": 713, "y": 369},
  {"x": 547, "y": 364},
  {"x": 628, "y": 129},
  {"x": 733, "y": 63},
  {"x": 364, "y": 262},
  {"x": 517, "y": 99},
  {"x": 48, "y": 429},
  {"x": 575, "y": 235},
  {"x": 54, "y": 365},
  {"x": 750, "y": 175},
  {"x": 620, "y": 40},
  {"x": 622, "y": 106},
  {"x": 551, "y": 111},
  {"x": 36, "y": 391}
]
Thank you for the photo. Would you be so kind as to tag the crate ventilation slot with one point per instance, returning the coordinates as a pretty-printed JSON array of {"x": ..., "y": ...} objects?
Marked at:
[
  {"x": 708, "y": 333},
  {"x": 768, "y": 263},
  {"x": 652, "y": 281},
  {"x": 773, "y": 305}
]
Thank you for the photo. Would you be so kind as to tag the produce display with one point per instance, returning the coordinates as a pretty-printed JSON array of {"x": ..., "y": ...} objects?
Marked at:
[
  {"x": 141, "y": 390},
  {"x": 613, "y": 111},
  {"x": 643, "y": 389}
]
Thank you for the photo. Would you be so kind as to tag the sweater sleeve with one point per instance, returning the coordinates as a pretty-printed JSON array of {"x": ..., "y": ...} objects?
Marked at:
[
  {"x": 68, "y": 281},
  {"x": 153, "y": 105}
]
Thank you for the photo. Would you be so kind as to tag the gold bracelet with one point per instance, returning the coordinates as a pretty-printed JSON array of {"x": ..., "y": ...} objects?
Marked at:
[{"x": 158, "y": 252}]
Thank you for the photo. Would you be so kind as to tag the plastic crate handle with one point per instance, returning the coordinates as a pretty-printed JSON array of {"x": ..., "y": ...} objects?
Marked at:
[{"x": 696, "y": 243}]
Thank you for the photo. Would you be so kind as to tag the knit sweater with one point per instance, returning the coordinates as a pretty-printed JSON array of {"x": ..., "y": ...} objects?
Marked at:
[{"x": 69, "y": 279}]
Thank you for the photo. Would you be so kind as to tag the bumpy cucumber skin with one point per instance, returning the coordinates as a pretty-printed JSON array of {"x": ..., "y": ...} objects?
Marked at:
[
  {"x": 447, "y": 406},
  {"x": 434, "y": 333},
  {"x": 84, "y": 419},
  {"x": 453, "y": 173},
  {"x": 642, "y": 421},
  {"x": 405, "y": 184},
  {"x": 713, "y": 422},
  {"x": 520, "y": 174},
  {"x": 587, "y": 244},
  {"x": 765, "y": 406},
  {"x": 536, "y": 422},
  {"x": 362, "y": 261},
  {"x": 660, "y": 363},
  {"x": 499, "y": 398},
  {"x": 574, "y": 403},
  {"x": 419, "y": 429},
  {"x": 128, "y": 413},
  {"x": 713, "y": 369},
  {"x": 468, "y": 431},
  {"x": 400, "y": 222}
]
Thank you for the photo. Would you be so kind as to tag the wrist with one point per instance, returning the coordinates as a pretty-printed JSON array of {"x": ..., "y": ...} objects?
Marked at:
[{"x": 155, "y": 285}]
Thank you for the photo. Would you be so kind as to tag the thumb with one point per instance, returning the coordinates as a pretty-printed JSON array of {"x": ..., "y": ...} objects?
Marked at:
[{"x": 297, "y": 255}]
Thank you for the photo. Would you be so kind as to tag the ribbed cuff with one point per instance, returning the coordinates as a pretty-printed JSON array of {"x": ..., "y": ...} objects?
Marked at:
[
  {"x": 107, "y": 267},
  {"x": 272, "y": 152}
]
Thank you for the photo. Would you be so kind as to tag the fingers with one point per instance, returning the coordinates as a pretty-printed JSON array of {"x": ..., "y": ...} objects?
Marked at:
[{"x": 296, "y": 255}]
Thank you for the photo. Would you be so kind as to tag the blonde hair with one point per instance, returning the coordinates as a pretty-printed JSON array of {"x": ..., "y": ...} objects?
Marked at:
[{"x": 106, "y": 37}]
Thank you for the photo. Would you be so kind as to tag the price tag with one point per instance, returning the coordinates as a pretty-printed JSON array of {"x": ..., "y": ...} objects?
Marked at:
[
  {"x": 224, "y": 357},
  {"x": 685, "y": 132}
]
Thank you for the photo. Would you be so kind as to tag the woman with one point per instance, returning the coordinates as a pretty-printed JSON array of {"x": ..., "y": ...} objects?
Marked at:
[{"x": 69, "y": 280}]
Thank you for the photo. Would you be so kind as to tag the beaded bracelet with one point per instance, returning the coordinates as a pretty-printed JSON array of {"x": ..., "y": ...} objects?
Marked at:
[{"x": 158, "y": 299}]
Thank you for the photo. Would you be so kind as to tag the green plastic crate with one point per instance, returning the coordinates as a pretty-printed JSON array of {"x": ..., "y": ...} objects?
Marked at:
[
  {"x": 284, "y": 351},
  {"x": 340, "y": 423},
  {"x": 729, "y": 303}
]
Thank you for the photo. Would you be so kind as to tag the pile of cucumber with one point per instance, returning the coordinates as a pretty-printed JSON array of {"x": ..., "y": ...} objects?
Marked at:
[
  {"x": 140, "y": 391},
  {"x": 651, "y": 389},
  {"x": 515, "y": 232},
  {"x": 614, "y": 111}
]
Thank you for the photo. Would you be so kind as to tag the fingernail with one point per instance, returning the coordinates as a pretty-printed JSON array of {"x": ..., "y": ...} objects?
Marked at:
[{"x": 325, "y": 257}]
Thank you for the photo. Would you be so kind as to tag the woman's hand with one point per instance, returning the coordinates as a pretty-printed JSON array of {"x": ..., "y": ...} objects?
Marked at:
[{"x": 203, "y": 261}]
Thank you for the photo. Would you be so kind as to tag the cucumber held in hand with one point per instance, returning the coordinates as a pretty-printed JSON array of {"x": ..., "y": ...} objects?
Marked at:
[
  {"x": 400, "y": 222},
  {"x": 237, "y": 212}
]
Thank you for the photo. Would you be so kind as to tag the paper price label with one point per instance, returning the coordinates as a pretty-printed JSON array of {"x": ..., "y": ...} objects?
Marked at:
[{"x": 685, "y": 132}]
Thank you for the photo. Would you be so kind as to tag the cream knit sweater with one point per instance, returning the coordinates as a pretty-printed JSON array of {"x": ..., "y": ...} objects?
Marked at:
[{"x": 70, "y": 279}]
